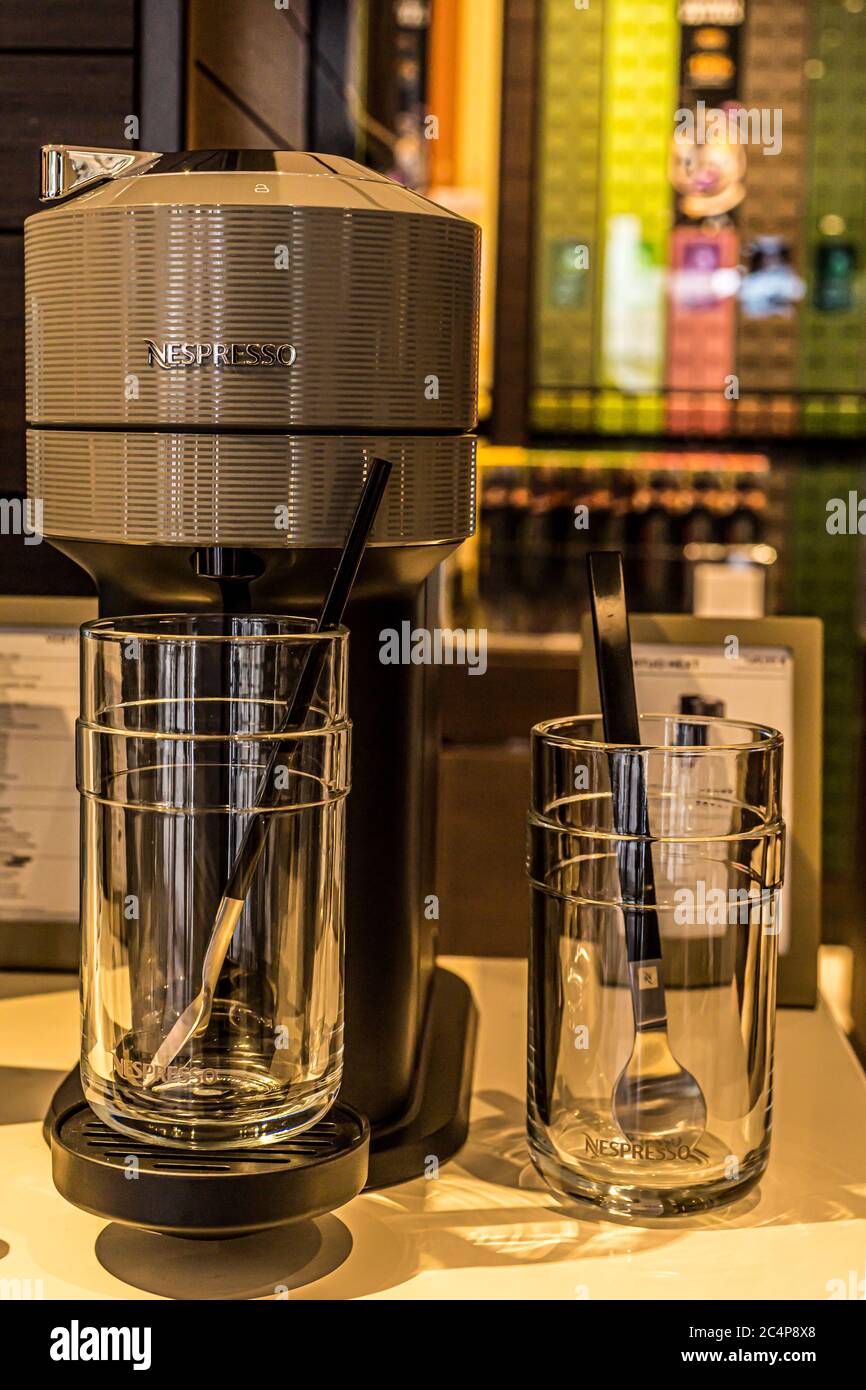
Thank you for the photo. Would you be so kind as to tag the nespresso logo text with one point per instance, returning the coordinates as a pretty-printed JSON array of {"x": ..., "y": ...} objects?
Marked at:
[
  {"x": 180, "y": 1073},
  {"x": 654, "y": 1151},
  {"x": 171, "y": 355}
]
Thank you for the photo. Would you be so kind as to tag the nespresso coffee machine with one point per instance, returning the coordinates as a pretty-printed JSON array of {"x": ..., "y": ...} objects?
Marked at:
[{"x": 216, "y": 342}]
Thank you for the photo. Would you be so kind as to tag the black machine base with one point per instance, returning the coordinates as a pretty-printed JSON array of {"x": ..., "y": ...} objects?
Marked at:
[
  {"x": 436, "y": 1123},
  {"x": 216, "y": 1194}
]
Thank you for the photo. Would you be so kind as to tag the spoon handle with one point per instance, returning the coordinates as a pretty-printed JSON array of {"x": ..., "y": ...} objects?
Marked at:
[
  {"x": 637, "y": 888},
  {"x": 628, "y": 787}
]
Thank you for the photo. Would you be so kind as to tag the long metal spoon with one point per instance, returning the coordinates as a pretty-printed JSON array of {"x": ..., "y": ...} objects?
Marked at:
[
  {"x": 655, "y": 1096},
  {"x": 196, "y": 1016}
]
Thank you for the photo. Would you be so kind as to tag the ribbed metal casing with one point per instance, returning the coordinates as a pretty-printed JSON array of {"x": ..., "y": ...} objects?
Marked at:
[
  {"x": 151, "y": 297},
  {"x": 246, "y": 490},
  {"x": 380, "y": 307}
]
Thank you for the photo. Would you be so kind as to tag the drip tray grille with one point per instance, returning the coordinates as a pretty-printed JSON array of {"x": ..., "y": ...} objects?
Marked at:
[
  {"x": 209, "y": 1194},
  {"x": 327, "y": 1137}
]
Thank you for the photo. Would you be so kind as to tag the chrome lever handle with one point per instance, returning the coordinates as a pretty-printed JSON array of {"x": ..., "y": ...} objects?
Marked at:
[{"x": 66, "y": 169}]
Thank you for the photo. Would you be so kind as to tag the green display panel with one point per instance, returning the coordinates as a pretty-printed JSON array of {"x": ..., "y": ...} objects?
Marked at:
[
  {"x": 566, "y": 193},
  {"x": 833, "y": 339},
  {"x": 641, "y": 58}
]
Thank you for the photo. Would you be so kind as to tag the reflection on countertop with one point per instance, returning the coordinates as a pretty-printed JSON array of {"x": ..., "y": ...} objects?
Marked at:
[{"x": 485, "y": 1227}]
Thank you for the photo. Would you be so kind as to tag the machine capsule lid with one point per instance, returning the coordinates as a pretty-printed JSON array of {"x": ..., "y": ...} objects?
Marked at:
[
  {"x": 264, "y": 161},
  {"x": 93, "y": 179}
]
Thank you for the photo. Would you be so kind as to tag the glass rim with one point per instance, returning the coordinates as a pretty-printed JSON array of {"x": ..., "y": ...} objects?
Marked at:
[
  {"x": 341, "y": 726},
  {"x": 770, "y": 739},
  {"x": 535, "y": 819},
  {"x": 124, "y": 628}
]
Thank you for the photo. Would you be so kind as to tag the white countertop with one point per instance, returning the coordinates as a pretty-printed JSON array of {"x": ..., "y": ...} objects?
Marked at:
[{"x": 486, "y": 1228}]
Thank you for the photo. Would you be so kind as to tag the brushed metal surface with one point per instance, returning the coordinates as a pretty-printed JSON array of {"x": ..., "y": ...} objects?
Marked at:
[
  {"x": 255, "y": 490},
  {"x": 381, "y": 306}
]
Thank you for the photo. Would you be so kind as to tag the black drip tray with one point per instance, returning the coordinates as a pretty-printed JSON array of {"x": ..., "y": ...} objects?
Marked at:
[{"x": 209, "y": 1194}]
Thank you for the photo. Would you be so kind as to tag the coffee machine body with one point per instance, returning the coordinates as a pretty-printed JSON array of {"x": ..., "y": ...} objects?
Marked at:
[{"x": 218, "y": 344}]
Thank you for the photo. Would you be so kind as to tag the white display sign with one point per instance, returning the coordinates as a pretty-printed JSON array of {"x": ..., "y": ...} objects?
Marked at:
[
  {"x": 756, "y": 686},
  {"x": 39, "y": 879}
]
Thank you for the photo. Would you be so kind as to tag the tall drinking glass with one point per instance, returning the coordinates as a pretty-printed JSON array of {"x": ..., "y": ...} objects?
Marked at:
[
  {"x": 717, "y": 844},
  {"x": 179, "y": 718}
]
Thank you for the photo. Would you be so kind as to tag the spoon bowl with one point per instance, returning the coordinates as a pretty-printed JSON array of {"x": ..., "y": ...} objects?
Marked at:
[{"x": 656, "y": 1098}]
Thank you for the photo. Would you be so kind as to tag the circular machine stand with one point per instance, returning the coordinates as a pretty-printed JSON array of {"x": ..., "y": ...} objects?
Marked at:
[{"x": 214, "y": 1194}]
